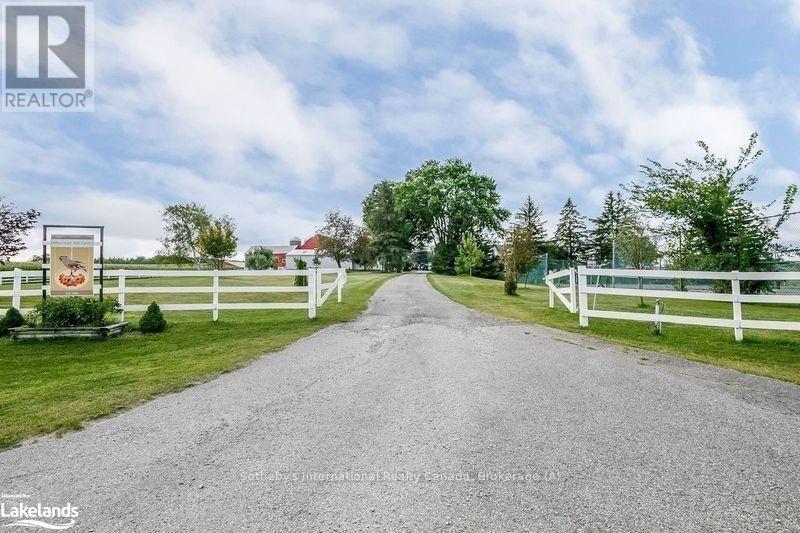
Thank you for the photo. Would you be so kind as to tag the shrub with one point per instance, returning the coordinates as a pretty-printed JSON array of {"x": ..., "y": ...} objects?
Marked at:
[
  {"x": 75, "y": 311},
  {"x": 12, "y": 319},
  {"x": 152, "y": 320},
  {"x": 260, "y": 259},
  {"x": 300, "y": 281}
]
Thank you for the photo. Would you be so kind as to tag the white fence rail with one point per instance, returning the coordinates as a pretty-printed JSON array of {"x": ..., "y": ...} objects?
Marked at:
[
  {"x": 737, "y": 323},
  {"x": 317, "y": 291},
  {"x": 567, "y": 294}
]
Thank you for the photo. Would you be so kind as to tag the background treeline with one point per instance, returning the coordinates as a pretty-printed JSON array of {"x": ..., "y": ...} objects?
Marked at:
[{"x": 695, "y": 215}]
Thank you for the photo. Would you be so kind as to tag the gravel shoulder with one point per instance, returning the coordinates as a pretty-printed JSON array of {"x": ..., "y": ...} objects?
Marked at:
[{"x": 424, "y": 415}]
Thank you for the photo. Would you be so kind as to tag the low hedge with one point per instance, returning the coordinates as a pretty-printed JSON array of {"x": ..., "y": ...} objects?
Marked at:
[{"x": 74, "y": 311}]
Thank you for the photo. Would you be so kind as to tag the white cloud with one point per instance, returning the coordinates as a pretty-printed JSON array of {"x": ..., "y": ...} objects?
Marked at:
[
  {"x": 453, "y": 105},
  {"x": 794, "y": 12},
  {"x": 228, "y": 102},
  {"x": 780, "y": 177},
  {"x": 272, "y": 111},
  {"x": 262, "y": 217}
]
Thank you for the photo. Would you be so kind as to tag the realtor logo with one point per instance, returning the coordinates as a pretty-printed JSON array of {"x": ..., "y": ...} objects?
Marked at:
[{"x": 49, "y": 56}]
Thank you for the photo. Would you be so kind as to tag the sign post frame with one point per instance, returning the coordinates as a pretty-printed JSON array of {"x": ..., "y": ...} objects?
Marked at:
[{"x": 45, "y": 244}]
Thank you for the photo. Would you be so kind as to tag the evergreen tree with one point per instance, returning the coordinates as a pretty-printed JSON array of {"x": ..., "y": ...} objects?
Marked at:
[
  {"x": 490, "y": 267},
  {"x": 606, "y": 227},
  {"x": 570, "y": 236},
  {"x": 469, "y": 256},
  {"x": 529, "y": 217}
]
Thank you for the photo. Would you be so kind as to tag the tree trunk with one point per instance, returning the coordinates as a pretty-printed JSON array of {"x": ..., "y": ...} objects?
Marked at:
[{"x": 641, "y": 287}]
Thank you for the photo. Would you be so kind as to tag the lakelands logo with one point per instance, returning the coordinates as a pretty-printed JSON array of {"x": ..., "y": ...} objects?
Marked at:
[
  {"x": 28, "y": 515},
  {"x": 49, "y": 56}
]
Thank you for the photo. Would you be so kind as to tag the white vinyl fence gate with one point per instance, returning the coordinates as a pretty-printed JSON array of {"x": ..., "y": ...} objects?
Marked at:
[
  {"x": 566, "y": 295},
  {"x": 317, "y": 291}
]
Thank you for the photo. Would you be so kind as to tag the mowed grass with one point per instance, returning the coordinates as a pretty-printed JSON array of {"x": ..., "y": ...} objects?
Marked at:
[
  {"x": 774, "y": 354},
  {"x": 54, "y": 386}
]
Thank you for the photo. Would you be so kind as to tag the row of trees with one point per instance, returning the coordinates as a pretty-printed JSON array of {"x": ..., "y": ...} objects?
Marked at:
[
  {"x": 191, "y": 232},
  {"x": 443, "y": 206},
  {"x": 695, "y": 215},
  {"x": 446, "y": 206},
  {"x": 699, "y": 211}
]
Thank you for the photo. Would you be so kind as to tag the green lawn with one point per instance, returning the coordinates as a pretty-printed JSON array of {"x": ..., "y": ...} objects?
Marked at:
[
  {"x": 767, "y": 353},
  {"x": 55, "y": 386}
]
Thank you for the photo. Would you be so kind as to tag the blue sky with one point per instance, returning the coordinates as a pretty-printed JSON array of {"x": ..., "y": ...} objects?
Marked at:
[{"x": 275, "y": 112}]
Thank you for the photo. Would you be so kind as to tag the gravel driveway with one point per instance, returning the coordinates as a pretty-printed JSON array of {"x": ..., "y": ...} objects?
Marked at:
[{"x": 423, "y": 415}]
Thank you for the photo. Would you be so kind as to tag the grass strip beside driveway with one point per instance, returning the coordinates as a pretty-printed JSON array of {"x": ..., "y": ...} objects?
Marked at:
[
  {"x": 54, "y": 386},
  {"x": 774, "y": 354}
]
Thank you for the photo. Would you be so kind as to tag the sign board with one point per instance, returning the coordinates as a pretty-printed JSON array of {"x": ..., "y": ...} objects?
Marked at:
[{"x": 72, "y": 265}]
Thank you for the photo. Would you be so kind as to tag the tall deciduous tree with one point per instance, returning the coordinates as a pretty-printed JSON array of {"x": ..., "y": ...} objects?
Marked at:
[
  {"x": 445, "y": 200},
  {"x": 183, "y": 224},
  {"x": 336, "y": 236},
  {"x": 529, "y": 216},
  {"x": 570, "y": 236},
  {"x": 13, "y": 227},
  {"x": 606, "y": 227},
  {"x": 218, "y": 241},
  {"x": 363, "y": 252},
  {"x": 390, "y": 227},
  {"x": 469, "y": 256},
  {"x": 724, "y": 230}
]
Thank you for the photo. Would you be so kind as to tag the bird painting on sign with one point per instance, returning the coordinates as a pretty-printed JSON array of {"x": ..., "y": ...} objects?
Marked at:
[{"x": 72, "y": 265}]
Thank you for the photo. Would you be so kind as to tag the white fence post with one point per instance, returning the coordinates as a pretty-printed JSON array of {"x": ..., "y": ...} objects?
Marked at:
[
  {"x": 657, "y": 312},
  {"x": 339, "y": 283},
  {"x": 738, "y": 333},
  {"x": 318, "y": 275},
  {"x": 16, "y": 298},
  {"x": 311, "y": 276},
  {"x": 551, "y": 296},
  {"x": 121, "y": 293},
  {"x": 215, "y": 297},
  {"x": 584, "y": 301},
  {"x": 573, "y": 296},
  {"x": 738, "y": 323}
]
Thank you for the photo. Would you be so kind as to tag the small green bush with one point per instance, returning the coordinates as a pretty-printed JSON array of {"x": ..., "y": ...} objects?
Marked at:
[
  {"x": 75, "y": 311},
  {"x": 152, "y": 320},
  {"x": 12, "y": 319}
]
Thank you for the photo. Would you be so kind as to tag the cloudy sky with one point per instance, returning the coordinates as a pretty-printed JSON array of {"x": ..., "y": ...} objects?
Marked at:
[{"x": 276, "y": 111}]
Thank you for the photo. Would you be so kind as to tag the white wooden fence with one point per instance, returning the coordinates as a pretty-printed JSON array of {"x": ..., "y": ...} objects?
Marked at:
[
  {"x": 737, "y": 323},
  {"x": 567, "y": 294},
  {"x": 318, "y": 292}
]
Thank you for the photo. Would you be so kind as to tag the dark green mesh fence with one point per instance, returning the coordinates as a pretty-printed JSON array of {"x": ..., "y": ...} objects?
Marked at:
[{"x": 546, "y": 265}]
